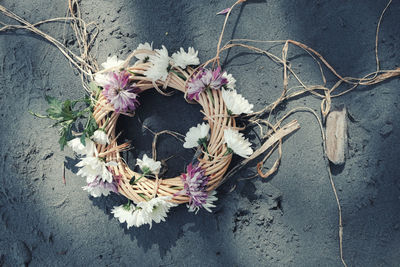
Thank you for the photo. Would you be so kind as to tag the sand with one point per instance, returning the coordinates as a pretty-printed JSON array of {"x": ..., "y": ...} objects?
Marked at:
[{"x": 290, "y": 219}]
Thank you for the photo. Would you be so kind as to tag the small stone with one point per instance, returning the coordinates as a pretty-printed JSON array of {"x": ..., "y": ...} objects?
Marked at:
[
  {"x": 260, "y": 220},
  {"x": 386, "y": 130},
  {"x": 307, "y": 228},
  {"x": 21, "y": 253},
  {"x": 270, "y": 218},
  {"x": 48, "y": 155}
]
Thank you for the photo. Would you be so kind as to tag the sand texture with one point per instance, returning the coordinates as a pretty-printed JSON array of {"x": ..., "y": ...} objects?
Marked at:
[{"x": 290, "y": 219}]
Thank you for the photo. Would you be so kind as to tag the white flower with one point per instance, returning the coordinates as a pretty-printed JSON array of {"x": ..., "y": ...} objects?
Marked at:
[
  {"x": 93, "y": 167},
  {"x": 138, "y": 218},
  {"x": 155, "y": 210},
  {"x": 237, "y": 143},
  {"x": 112, "y": 62},
  {"x": 124, "y": 213},
  {"x": 195, "y": 134},
  {"x": 145, "y": 46},
  {"x": 236, "y": 103},
  {"x": 145, "y": 212},
  {"x": 102, "y": 79},
  {"x": 159, "y": 69},
  {"x": 183, "y": 59},
  {"x": 148, "y": 164},
  {"x": 77, "y": 146},
  {"x": 231, "y": 81},
  {"x": 100, "y": 137},
  {"x": 97, "y": 191}
]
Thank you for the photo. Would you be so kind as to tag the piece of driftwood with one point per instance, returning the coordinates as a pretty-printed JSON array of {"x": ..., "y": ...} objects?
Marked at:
[{"x": 336, "y": 135}]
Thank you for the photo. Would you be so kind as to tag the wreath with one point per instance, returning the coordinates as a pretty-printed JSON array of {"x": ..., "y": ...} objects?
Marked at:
[{"x": 116, "y": 91}]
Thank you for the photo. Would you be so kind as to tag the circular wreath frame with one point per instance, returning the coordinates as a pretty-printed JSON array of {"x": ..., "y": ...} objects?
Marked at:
[{"x": 215, "y": 161}]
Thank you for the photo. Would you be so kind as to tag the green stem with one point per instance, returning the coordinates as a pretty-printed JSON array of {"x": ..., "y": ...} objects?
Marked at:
[
  {"x": 209, "y": 93},
  {"x": 127, "y": 205},
  {"x": 133, "y": 181},
  {"x": 143, "y": 196},
  {"x": 180, "y": 75},
  {"x": 204, "y": 146},
  {"x": 229, "y": 151},
  {"x": 105, "y": 125}
]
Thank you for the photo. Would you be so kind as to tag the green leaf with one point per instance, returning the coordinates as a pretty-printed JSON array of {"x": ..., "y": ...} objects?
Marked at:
[
  {"x": 94, "y": 88},
  {"x": 37, "y": 115},
  {"x": 55, "y": 107},
  {"x": 91, "y": 126},
  {"x": 61, "y": 111},
  {"x": 66, "y": 135},
  {"x": 83, "y": 139},
  {"x": 62, "y": 141}
]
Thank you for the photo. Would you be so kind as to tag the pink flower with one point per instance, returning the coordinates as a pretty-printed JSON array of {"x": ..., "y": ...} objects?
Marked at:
[
  {"x": 195, "y": 182},
  {"x": 204, "y": 79},
  {"x": 120, "y": 92},
  {"x": 98, "y": 188},
  {"x": 222, "y": 12}
]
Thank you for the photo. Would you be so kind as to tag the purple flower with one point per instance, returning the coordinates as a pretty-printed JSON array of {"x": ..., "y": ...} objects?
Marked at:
[
  {"x": 204, "y": 79},
  {"x": 222, "y": 12},
  {"x": 195, "y": 182},
  {"x": 98, "y": 187},
  {"x": 120, "y": 92}
]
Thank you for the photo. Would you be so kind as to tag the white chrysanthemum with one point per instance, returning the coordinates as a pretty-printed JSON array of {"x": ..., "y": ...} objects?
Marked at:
[
  {"x": 93, "y": 167},
  {"x": 183, "y": 59},
  {"x": 77, "y": 146},
  {"x": 138, "y": 218},
  {"x": 237, "y": 143},
  {"x": 149, "y": 164},
  {"x": 155, "y": 210},
  {"x": 100, "y": 137},
  {"x": 145, "y": 46},
  {"x": 124, "y": 213},
  {"x": 159, "y": 69},
  {"x": 101, "y": 79},
  {"x": 112, "y": 62},
  {"x": 195, "y": 134},
  {"x": 236, "y": 103},
  {"x": 104, "y": 78},
  {"x": 231, "y": 81},
  {"x": 145, "y": 212},
  {"x": 97, "y": 191}
]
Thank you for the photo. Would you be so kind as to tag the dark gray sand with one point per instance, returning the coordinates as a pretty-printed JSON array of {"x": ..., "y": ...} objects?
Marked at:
[{"x": 289, "y": 220}]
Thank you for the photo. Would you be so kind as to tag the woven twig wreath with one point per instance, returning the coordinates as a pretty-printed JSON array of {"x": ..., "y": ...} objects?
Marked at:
[
  {"x": 214, "y": 161},
  {"x": 115, "y": 92}
]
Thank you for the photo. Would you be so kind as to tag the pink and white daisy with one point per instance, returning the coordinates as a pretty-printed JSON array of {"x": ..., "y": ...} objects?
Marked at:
[
  {"x": 195, "y": 185},
  {"x": 205, "y": 79},
  {"x": 99, "y": 187},
  {"x": 120, "y": 92}
]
